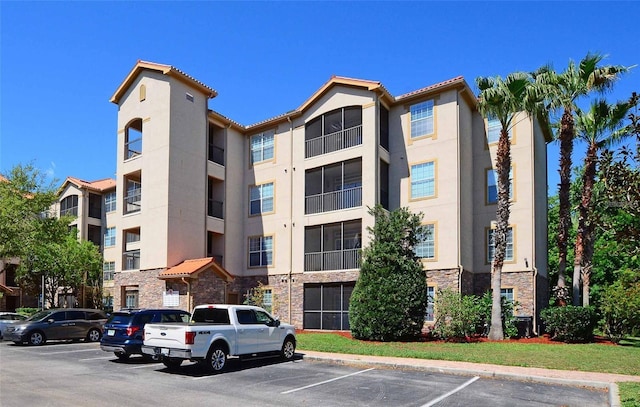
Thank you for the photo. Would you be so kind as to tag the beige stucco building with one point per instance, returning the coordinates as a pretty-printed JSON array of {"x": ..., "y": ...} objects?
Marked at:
[{"x": 205, "y": 208}]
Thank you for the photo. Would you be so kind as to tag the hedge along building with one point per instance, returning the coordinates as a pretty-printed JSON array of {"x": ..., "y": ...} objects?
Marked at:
[{"x": 207, "y": 207}]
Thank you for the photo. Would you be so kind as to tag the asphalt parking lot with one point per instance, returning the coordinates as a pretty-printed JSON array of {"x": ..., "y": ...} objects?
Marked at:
[{"x": 79, "y": 374}]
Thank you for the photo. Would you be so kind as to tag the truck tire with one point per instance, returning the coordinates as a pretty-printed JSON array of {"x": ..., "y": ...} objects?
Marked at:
[
  {"x": 217, "y": 359},
  {"x": 288, "y": 349},
  {"x": 172, "y": 364}
]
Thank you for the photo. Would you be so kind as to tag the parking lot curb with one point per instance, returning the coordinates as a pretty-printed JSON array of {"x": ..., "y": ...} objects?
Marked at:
[{"x": 493, "y": 372}]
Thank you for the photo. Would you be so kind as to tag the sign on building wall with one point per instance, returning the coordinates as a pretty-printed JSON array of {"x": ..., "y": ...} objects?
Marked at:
[{"x": 170, "y": 298}]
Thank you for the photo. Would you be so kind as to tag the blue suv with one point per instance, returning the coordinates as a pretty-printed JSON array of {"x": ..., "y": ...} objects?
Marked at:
[{"x": 124, "y": 330}]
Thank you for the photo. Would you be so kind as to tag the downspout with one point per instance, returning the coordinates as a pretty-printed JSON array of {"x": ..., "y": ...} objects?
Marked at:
[
  {"x": 533, "y": 232},
  {"x": 290, "y": 277},
  {"x": 459, "y": 214},
  {"x": 188, "y": 283}
]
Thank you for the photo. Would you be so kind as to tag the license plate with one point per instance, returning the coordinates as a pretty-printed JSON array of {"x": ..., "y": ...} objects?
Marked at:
[
  {"x": 111, "y": 332},
  {"x": 164, "y": 351}
]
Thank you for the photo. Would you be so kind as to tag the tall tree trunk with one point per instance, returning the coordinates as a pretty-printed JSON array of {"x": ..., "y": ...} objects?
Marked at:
[
  {"x": 583, "y": 236},
  {"x": 503, "y": 167},
  {"x": 564, "y": 189}
]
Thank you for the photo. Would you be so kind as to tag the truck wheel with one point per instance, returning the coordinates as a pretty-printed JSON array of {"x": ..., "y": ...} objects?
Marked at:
[
  {"x": 288, "y": 349},
  {"x": 172, "y": 364},
  {"x": 217, "y": 359}
]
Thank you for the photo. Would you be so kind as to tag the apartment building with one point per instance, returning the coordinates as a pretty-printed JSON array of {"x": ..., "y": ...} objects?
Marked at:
[{"x": 207, "y": 208}]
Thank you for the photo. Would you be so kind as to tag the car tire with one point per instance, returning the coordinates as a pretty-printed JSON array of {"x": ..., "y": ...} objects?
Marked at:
[
  {"x": 288, "y": 349},
  {"x": 172, "y": 364},
  {"x": 37, "y": 338},
  {"x": 122, "y": 356},
  {"x": 93, "y": 335},
  {"x": 216, "y": 359}
]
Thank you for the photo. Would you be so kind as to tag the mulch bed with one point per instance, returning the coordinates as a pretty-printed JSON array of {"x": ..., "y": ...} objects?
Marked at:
[{"x": 544, "y": 339}]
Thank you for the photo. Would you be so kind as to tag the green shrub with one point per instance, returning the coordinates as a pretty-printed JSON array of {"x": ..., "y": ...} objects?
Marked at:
[
  {"x": 27, "y": 311},
  {"x": 570, "y": 323},
  {"x": 620, "y": 306},
  {"x": 389, "y": 300},
  {"x": 457, "y": 317}
]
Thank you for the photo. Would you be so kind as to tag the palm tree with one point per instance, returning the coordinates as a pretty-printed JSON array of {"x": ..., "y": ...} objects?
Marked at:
[
  {"x": 563, "y": 93},
  {"x": 501, "y": 99},
  {"x": 601, "y": 127}
]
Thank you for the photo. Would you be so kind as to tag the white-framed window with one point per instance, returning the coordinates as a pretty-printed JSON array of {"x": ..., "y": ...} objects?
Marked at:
[
  {"x": 108, "y": 269},
  {"x": 267, "y": 299},
  {"x": 423, "y": 180},
  {"x": 422, "y": 119},
  {"x": 431, "y": 300},
  {"x": 507, "y": 293},
  {"x": 261, "y": 199},
  {"x": 110, "y": 237},
  {"x": 493, "y": 130},
  {"x": 491, "y": 247},
  {"x": 262, "y": 147},
  {"x": 131, "y": 299},
  {"x": 110, "y": 201},
  {"x": 260, "y": 251},
  {"x": 426, "y": 247},
  {"x": 492, "y": 185}
]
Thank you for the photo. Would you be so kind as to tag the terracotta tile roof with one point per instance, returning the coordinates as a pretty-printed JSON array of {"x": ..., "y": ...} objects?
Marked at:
[
  {"x": 165, "y": 70},
  {"x": 430, "y": 88},
  {"x": 190, "y": 268},
  {"x": 99, "y": 185}
]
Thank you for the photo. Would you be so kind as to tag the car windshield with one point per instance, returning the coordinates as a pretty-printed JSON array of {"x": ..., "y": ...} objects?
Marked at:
[{"x": 40, "y": 315}]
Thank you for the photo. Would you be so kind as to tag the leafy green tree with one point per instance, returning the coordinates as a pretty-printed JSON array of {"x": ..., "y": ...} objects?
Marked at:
[
  {"x": 23, "y": 198},
  {"x": 503, "y": 99},
  {"x": 621, "y": 306},
  {"x": 564, "y": 90},
  {"x": 389, "y": 300},
  {"x": 600, "y": 127}
]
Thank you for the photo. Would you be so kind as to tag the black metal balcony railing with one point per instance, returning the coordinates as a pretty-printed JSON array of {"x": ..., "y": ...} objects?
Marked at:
[
  {"x": 333, "y": 260},
  {"x": 333, "y": 201},
  {"x": 131, "y": 260},
  {"x": 216, "y": 154},
  {"x": 132, "y": 201},
  {"x": 333, "y": 142},
  {"x": 215, "y": 209},
  {"x": 73, "y": 211}
]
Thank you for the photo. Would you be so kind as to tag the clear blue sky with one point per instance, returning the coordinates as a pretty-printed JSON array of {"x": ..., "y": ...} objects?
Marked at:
[{"x": 61, "y": 61}]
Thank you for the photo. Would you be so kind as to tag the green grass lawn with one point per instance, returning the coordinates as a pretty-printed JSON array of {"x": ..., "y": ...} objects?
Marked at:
[{"x": 591, "y": 357}]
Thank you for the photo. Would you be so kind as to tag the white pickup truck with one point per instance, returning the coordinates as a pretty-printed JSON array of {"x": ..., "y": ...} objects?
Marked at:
[{"x": 216, "y": 332}]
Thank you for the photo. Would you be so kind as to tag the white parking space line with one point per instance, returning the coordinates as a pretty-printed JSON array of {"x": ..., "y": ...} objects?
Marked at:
[
  {"x": 143, "y": 366},
  {"x": 326, "y": 381},
  {"x": 457, "y": 389},
  {"x": 70, "y": 351},
  {"x": 100, "y": 358}
]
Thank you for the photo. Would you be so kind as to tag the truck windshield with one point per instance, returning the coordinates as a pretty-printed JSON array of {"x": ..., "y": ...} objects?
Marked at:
[{"x": 211, "y": 316}]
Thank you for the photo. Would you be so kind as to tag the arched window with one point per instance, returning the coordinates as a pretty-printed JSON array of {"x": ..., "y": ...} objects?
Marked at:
[
  {"x": 133, "y": 139},
  {"x": 69, "y": 206}
]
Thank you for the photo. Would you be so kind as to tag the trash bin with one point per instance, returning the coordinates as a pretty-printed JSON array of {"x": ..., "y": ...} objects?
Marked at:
[{"x": 525, "y": 326}]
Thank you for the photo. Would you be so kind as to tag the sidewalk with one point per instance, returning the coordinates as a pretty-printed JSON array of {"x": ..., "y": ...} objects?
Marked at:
[{"x": 562, "y": 377}]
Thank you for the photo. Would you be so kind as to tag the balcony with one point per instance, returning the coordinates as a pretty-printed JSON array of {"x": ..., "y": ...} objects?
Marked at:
[
  {"x": 338, "y": 140},
  {"x": 215, "y": 209},
  {"x": 132, "y": 201},
  {"x": 333, "y": 260},
  {"x": 216, "y": 154},
  {"x": 131, "y": 260},
  {"x": 333, "y": 201}
]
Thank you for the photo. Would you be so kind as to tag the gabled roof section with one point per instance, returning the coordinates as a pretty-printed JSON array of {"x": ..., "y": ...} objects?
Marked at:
[
  {"x": 165, "y": 70},
  {"x": 191, "y": 268},
  {"x": 213, "y": 115},
  {"x": 374, "y": 86},
  {"x": 5, "y": 289},
  {"x": 453, "y": 83},
  {"x": 98, "y": 186}
]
